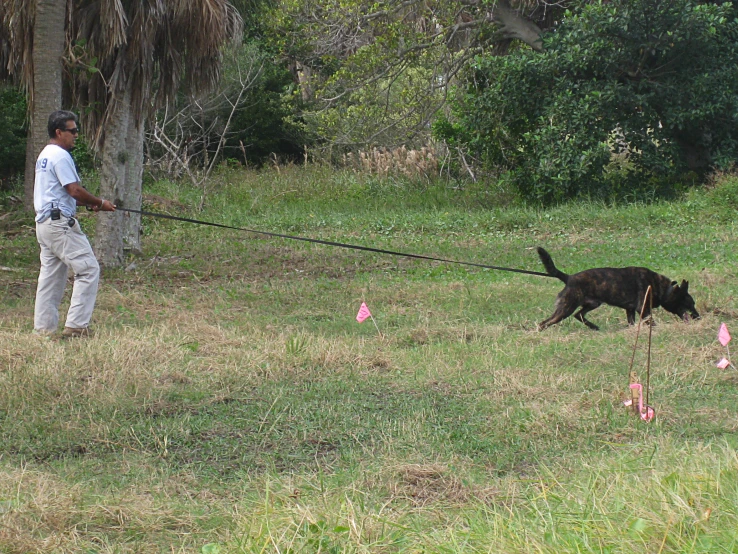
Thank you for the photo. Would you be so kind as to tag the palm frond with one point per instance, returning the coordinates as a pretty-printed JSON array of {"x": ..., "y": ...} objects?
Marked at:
[
  {"x": 150, "y": 48},
  {"x": 16, "y": 41}
]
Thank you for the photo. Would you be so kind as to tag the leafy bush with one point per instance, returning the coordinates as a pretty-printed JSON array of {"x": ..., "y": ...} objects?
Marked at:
[{"x": 630, "y": 97}]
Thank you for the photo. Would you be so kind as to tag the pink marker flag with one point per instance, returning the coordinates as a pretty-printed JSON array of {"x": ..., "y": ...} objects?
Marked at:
[
  {"x": 724, "y": 335},
  {"x": 363, "y": 313},
  {"x": 722, "y": 364},
  {"x": 646, "y": 412}
]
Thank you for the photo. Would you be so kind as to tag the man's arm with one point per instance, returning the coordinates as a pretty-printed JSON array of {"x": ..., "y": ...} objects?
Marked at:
[{"x": 82, "y": 196}]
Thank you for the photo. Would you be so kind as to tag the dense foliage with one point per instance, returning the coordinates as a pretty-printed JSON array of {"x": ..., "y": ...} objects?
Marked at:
[
  {"x": 626, "y": 98},
  {"x": 652, "y": 82},
  {"x": 376, "y": 73},
  {"x": 250, "y": 116},
  {"x": 267, "y": 121},
  {"x": 13, "y": 137}
]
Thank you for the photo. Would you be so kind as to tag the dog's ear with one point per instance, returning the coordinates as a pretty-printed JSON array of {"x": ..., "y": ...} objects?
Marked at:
[
  {"x": 673, "y": 292},
  {"x": 680, "y": 291}
]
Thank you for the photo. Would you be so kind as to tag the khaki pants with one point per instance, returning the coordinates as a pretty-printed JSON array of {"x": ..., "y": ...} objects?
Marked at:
[{"x": 63, "y": 246}]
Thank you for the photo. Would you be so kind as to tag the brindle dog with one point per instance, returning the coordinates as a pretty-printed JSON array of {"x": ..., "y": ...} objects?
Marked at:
[{"x": 621, "y": 287}]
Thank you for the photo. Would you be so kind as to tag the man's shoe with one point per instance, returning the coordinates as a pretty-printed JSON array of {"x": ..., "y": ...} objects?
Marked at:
[{"x": 73, "y": 332}]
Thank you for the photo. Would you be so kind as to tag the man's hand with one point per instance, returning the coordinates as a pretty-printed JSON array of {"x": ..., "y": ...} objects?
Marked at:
[{"x": 104, "y": 206}]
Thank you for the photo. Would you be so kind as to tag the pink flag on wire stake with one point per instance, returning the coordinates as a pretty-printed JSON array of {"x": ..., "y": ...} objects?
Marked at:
[
  {"x": 722, "y": 364},
  {"x": 724, "y": 335},
  {"x": 363, "y": 313},
  {"x": 646, "y": 412}
]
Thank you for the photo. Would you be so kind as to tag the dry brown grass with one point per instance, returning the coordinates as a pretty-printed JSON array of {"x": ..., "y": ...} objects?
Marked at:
[
  {"x": 424, "y": 485},
  {"x": 411, "y": 163},
  {"x": 42, "y": 513}
]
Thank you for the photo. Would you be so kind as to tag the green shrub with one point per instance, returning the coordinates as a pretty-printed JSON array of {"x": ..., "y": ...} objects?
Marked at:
[
  {"x": 651, "y": 82},
  {"x": 13, "y": 137},
  {"x": 84, "y": 157}
]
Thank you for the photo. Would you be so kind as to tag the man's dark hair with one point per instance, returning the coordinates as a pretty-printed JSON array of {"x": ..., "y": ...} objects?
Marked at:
[{"x": 58, "y": 120}]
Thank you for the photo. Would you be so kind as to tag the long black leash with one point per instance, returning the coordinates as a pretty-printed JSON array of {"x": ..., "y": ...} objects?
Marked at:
[{"x": 331, "y": 243}]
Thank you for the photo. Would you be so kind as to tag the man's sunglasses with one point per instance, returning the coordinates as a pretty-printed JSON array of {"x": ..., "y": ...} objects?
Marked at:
[{"x": 73, "y": 131}]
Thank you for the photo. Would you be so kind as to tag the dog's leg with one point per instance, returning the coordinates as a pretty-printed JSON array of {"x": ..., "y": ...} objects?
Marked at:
[
  {"x": 586, "y": 308},
  {"x": 631, "y": 316},
  {"x": 648, "y": 319},
  {"x": 562, "y": 310}
]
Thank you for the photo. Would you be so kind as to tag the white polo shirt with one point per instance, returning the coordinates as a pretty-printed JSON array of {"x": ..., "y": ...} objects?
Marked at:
[{"x": 54, "y": 171}]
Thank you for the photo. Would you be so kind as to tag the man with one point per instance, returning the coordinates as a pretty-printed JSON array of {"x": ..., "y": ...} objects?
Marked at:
[{"x": 56, "y": 194}]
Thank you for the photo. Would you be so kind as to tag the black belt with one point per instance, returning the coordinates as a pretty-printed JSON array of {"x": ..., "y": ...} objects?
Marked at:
[{"x": 70, "y": 220}]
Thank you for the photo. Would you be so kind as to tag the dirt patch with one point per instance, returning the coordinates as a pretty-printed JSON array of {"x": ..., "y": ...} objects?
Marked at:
[
  {"x": 428, "y": 484},
  {"x": 175, "y": 377}
]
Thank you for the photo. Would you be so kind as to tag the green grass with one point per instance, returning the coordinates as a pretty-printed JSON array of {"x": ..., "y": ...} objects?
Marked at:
[{"x": 231, "y": 403}]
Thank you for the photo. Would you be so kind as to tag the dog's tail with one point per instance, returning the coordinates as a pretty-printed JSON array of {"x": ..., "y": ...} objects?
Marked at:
[{"x": 550, "y": 267}]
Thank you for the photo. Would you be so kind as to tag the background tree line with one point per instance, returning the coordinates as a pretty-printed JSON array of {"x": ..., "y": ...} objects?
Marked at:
[{"x": 559, "y": 100}]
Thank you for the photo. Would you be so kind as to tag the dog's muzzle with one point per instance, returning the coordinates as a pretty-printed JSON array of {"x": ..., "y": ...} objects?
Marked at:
[{"x": 689, "y": 317}]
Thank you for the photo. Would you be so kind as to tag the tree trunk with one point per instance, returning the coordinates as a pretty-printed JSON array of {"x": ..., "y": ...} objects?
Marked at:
[
  {"x": 132, "y": 192},
  {"x": 305, "y": 79},
  {"x": 45, "y": 96},
  {"x": 513, "y": 25},
  {"x": 115, "y": 160}
]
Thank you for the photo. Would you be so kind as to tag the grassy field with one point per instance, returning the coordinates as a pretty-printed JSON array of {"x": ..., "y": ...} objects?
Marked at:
[{"x": 231, "y": 403}]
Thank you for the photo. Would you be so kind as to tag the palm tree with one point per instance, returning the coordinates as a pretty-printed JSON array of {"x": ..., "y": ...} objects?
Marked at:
[
  {"x": 151, "y": 48},
  {"x": 122, "y": 60},
  {"x": 38, "y": 70}
]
